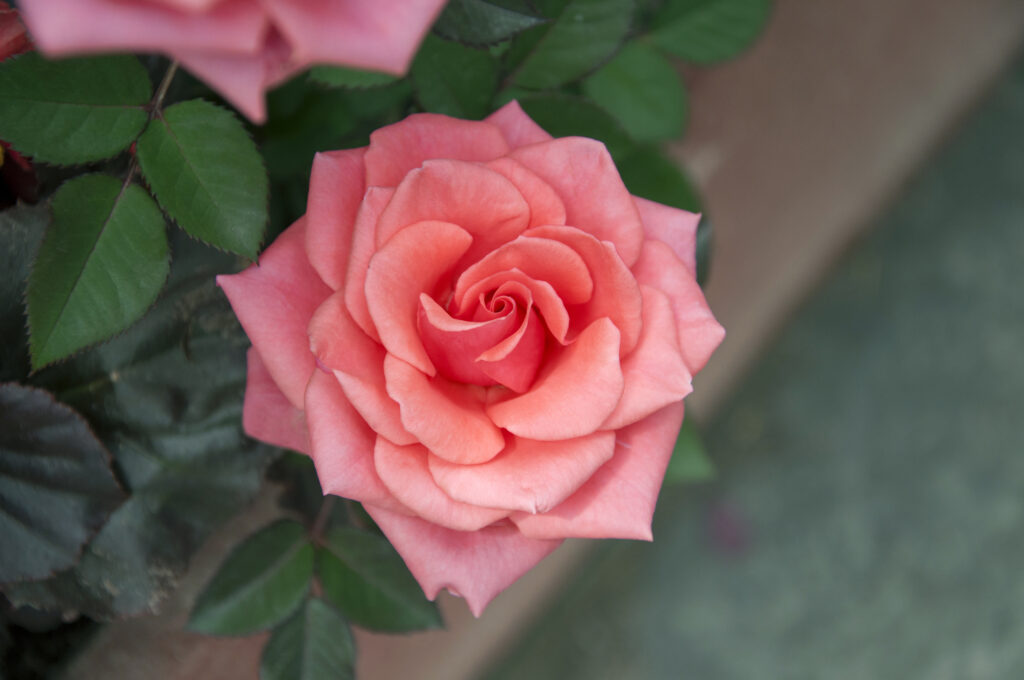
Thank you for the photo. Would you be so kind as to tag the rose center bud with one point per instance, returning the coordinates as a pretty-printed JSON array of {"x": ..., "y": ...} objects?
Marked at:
[{"x": 494, "y": 338}]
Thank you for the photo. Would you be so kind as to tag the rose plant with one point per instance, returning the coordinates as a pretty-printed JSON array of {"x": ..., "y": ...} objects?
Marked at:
[
  {"x": 477, "y": 332},
  {"x": 240, "y": 48}
]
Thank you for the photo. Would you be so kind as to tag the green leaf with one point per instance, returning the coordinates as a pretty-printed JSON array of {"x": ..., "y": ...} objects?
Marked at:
[
  {"x": 690, "y": 462},
  {"x": 100, "y": 266},
  {"x": 21, "y": 230},
  {"x": 315, "y": 644},
  {"x": 341, "y": 76},
  {"x": 648, "y": 173},
  {"x": 583, "y": 34},
  {"x": 454, "y": 80},
  {"x": 485, "y": 22},
  {"x": 641, "y": 88},
  {"x": 72, "y": 110},
  {"x": 261, "y": 582},
  {"x": 366, "y": 579},
  {"x": 207, "y": 174},
  {"x": 706, "y": 31},
  {"x": 565, "y": 115},
  {"x": 166, "y": 399},
  {"x": 56, "y": 486}
]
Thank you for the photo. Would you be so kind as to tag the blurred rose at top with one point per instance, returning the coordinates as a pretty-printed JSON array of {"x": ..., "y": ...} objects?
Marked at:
[{"x": 240, "y": 48}]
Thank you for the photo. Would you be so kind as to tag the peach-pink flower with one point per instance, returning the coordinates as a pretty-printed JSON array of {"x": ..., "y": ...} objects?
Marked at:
[
  {"x": 477, "y": 332},
  {"x": 240, "y": 48}
]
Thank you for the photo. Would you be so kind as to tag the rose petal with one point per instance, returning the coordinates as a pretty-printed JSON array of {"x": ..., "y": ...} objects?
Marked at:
[
  {"x": 699, "y": 332},
  {"x": 540, "y": 259},
  {"x": 476, "y": 565},
  {"x": 396, "y": 149},
  {"x": 414, "y": 261},
  {"x": 654, "y": 374},
  {"x": 358, "y": 364},
  {"x": 543, "y": 295},
  {"x": 267, "y": 414},
  {"x": 448, "y": 418},
  {"x": 529, "y": 475},
  {"x": 515, "y": 361},
  {"x": 481, "y": 201},
  {"x": 454, "y": 344},
  {"x": 336, "y": 190},
  {"x": 545, "y": 205},
  {"x": 66, "y": 26},
  {"x": 674, "y": 227},
  {"x": 403, "y": 469},
  {"x": 596, "y": 201},
  {"x": 342, "y": 445},
  {"x": 363, "y": 248},
  {"x": 575, "y": 392},
  {"x": 618, "y": 501},
  {"x": 381, "y": 35},
  {"x": 518, "y": 128},
  {"x": 616, "y": 293},
  {"x": 274, "y": 301}
]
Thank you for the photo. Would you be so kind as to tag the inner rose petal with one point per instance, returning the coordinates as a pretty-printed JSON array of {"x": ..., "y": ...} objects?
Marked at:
[
  {"x": 538, "y": 258},
  {"x": 545, "y": 205},
  {"x": 414, "y": 261},
  {"x": 543, "y": 295}
]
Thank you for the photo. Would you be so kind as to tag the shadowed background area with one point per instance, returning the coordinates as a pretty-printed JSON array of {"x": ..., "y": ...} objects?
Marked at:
[{"x": 867, "y": 516}]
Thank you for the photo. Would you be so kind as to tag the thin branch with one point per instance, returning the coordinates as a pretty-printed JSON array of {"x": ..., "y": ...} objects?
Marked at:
[
  {"x": 316, "y": 533},
  {"x": 161, "y": 92}
]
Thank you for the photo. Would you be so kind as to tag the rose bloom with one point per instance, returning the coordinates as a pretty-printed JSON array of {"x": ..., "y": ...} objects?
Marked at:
[
  {"x": 478, "y": 333},
  {"x": 240, "y": 47}
]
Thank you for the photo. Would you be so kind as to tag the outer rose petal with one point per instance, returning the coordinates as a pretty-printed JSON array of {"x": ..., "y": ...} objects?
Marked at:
[
  {"x": 403, "y": 469},
  {"x": 446, "y": 417},
  {"x": 243, "y": 78},
  {"x": 583, "y": 173},
  {"x": 336, "y": 189},
  {"x": 63, "y": 26},
  {"x": 673, "y": 227},
  {"x": 358, "y": 364},
  {"x": 414, "y": 261},
  {"x": 545, "y": 205},
  {"x": 380, "y": 35},
  {"x": 476, "y": 565},
  {"x": 528, "y": 475},
  {"x": 363, "y": 247},
  {"x": 655, "y": 374},
  {"x": 574, "y": 393},
  {"x": 699, "y": 332},
  {"x": 618, "y": 501},
  {"x": 342, "y": 445},
  {"x": 518, "y": 128},
  {"x": 396, "y": 149},
  {"x": 267, "y": 414},
  {"x": 275, "y": 300}
]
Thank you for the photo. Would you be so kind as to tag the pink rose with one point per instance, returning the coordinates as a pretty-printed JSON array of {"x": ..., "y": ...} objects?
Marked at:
[
  {"x": 240, "y": 47},
  {"x": 478, "y": 333}
]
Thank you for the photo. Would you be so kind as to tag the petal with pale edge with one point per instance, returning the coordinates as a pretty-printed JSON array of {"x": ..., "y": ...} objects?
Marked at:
[
  {"x": 518, "y": 128},
  {"x": 381, "y": 35},
  {"x": 674, "y": 227},
  {"x": 414, "y": 261},
  {"x": 274, "y": 300},
  {"x": 358, "y": 364},
  {"x": 529, "y": 475},
  {"x": 342, "y": 445},
  {"x": 446, "y": 417},
  {"x": 476, "y": 565},
  {"x": 655, "y": 374},
  {"x": 267, "y": 414},
  {"x": 596, "y": 201},
  {"x": 699, "y": 332},
  {"x": 574, "y": 393},
  {"x": 363, "y": 247},
  {"x": 336, "y": 189},
  {"x": 398, "y": 148},
  {"x": 618, "y": 501},
  {"x": 545, "y": 205},
  {"x": 404, "y": 471}
]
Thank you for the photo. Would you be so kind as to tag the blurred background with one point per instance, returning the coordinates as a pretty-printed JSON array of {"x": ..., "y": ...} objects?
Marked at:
[{"x": 863, "y": 165}]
